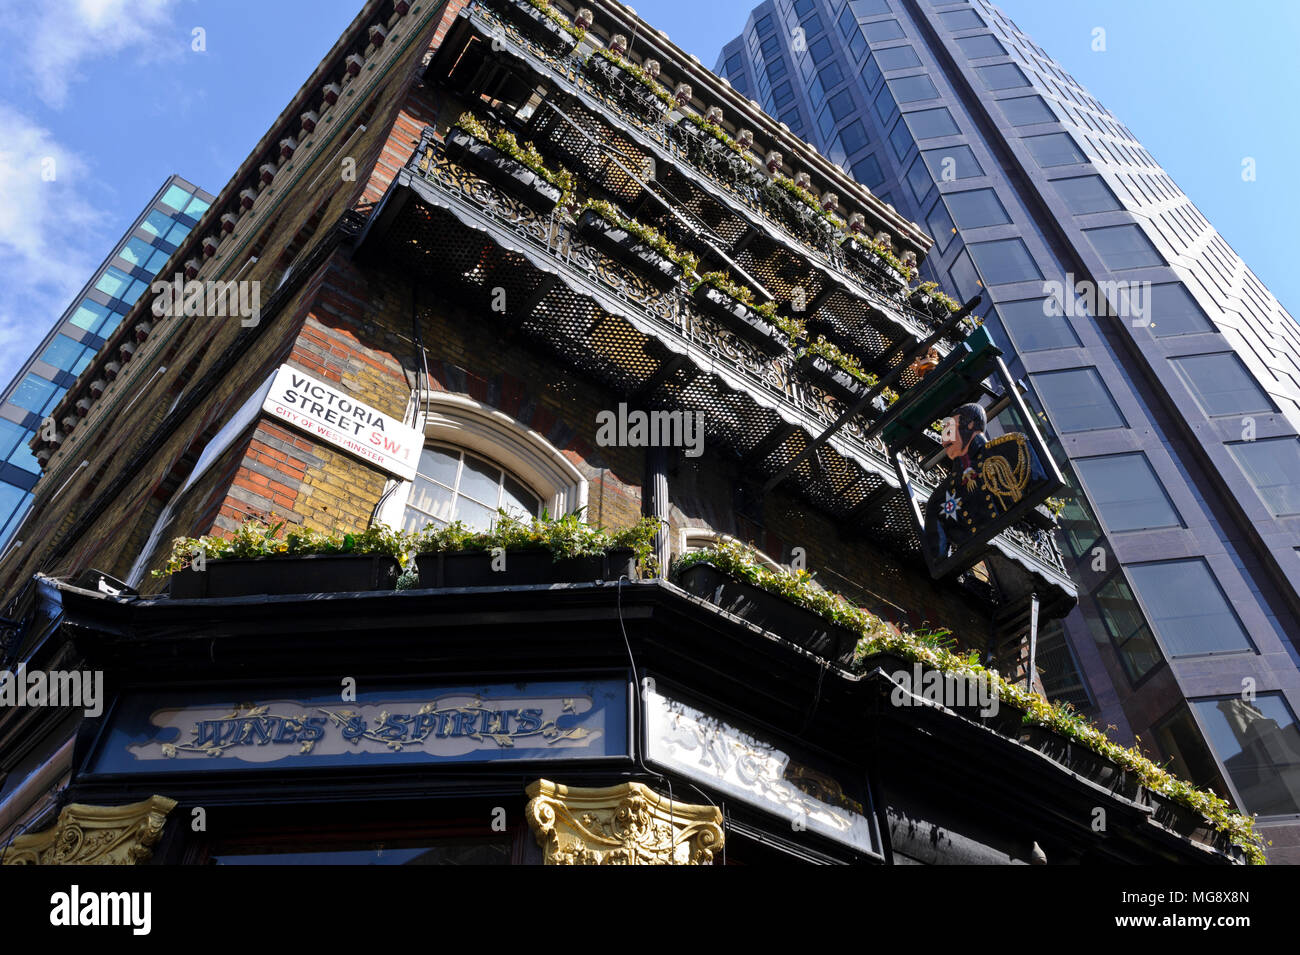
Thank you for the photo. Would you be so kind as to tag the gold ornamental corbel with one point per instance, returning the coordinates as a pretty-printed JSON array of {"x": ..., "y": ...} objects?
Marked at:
[
  {"x": 628, "y": 824},
  {"x": 95, "y": 835}
]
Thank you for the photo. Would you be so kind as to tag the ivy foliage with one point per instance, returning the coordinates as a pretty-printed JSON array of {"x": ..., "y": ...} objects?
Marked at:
[{"x": 932, "y": 650}]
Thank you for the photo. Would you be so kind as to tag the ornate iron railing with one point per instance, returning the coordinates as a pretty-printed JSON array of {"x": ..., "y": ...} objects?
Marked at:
[
  {"x": 725, "y": 171},
  {"x": 553, "y": 243}
]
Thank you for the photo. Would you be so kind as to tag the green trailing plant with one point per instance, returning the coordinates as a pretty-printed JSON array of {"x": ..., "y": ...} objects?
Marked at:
[
  {"x": 882, "y": 251},
  {"x": 567, "y": 536},
  {"x": 845, "y": 363},
  {"x": 554, "y": 16},
  {"x": 1055, "y": 506},
  {"x": 717, "y": 132},
  {"x": 525, "y": 154},
  {"x": 808, "y": 198},
  {"x": 656, "y": 88},
  {"x": 933, "y": 650},
  {"x": 610, "y": 213},
  {"x": 793, "y": 327},
  {"x": 257, "y": 539},
  {"x": 932, "y": 290}
]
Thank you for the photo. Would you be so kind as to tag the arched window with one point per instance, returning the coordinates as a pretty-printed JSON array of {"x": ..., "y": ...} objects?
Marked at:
[
  {"x": 455, "y": 485},
  {"x": 477, "y": 459}
]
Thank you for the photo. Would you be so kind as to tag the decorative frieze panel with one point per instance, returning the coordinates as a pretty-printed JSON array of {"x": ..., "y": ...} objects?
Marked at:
[
  {"x": 629, "y": 824},
  {"x": 95, "y": 835}
]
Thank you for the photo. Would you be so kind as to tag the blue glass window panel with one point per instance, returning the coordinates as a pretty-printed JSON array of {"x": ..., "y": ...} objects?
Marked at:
[
  {"x": 1222, "y": 384},
  {"x": 956, "y": 20},
  {"x": 1175, "y": 312},
  {"x": 176, "y": 197},
  {"x": 1258, "y": 742},
  {"x": 1078, "y": 400},
  {"x": 1026, "y": 110},
  {"x": 883, "y": 30},
  {"x": 803, "y": 7},
  {"x": 870, "y": 73},
  {"x": 826, "y": 123},
  {"x": 1004, "y": 261},
  {"x": 782, "y": 95},
  {"x": 1085, "y": 194},
  {"x": 156, "y": 223},
  {"x": 157, "y": 261},
  {"x": 137, "y": 252},
  {"x": 10, "y": 435},
  {"x": 940, "y": 226},
  {"x": 867, "y": 171},
  {"x": 911, "y": 89},
  {"x": 897, "y": 58},
  {"x": 918, "y": 178},
  {"x": 177, "y": 233},
  {"x": 775, "y": 70},
  {"x": 1033, "y": 329},
  {"x": 1187, "y": 607},
  {"x": 770, "y": 47},
  {"x": 831, "y": 76},
  {"x": 763, "y": 24},
  {"x": 931, "y": 123},
  {"x": 951, "y": 163},
  {"x": 34, "y": 393},
  {"x": 884, "y": 104},
  {"x": 113, "y": 282},
  {"x": 820, "y": 49},
  {"x": 1127, "y": 492},
  {"x": 1123, "y": 247},
  {"x": 841, "y": 104},
  {"x": 857, "y": 47},
  {"x": 22, "y": 457},
  {"x": 848, "y": 22},
  {"x": 1273, "y": 467},
  {"x": 812, "y": 26},
  {"x": 1001, "y": 76},
  {"x": 976, "y": 209},
  {"x": 869, "y": 8},
  {"x": 89, "y": 315},
  {"x": 1054, "y": 149},
  {"x": 63, "y": 352},
  {"x": 853, "y": 137},
  {"x": 978, "y": 47},
  {"x": 900, "y": 139}
]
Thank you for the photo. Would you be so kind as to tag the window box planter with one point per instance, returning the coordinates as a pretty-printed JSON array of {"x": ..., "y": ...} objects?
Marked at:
[
  {"x": 506, "y": 173},
  {"x": 928, "y": 305},
  {"x": 623, "y": 246},
  {"x": 866, "y": 256},
  {"x": 529, "y": 566},
  {"x": 316, "y": 573},
  {"x": 1081, "y": 760},
  {"x": 1186, "y": 822},
  {"x": 627, "y": 89},
  {"x": 827, "y": 377},
  {"x": 770, "y": 612},
  {"x": 534, "y": 24},
  {"x": 741, "y": 319}
]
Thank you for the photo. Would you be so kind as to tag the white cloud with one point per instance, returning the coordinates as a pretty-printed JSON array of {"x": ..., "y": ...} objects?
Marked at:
[
  {"x": 51, "y": 234},
  {"x": 54, "y": 37}
]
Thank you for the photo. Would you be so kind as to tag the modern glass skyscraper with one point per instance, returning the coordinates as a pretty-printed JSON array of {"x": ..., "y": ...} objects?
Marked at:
[
  {"x": 1174, "y": 413},
  {"x": 81, "y": 331}
]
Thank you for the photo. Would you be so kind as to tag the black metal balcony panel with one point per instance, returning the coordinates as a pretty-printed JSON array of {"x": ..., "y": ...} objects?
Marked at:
[{"x": 563, "y": 297}]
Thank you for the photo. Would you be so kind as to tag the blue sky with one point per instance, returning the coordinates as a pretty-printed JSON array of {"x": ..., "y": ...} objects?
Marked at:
[{"x": 114, "y": 91}]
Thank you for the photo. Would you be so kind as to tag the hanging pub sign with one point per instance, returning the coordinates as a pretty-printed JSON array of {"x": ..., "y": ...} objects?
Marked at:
[
  {"x": 683, "y": 739},
  {"x": 989, "y": 483},
  {"x": 986, "y": 479},
  {"x": 467, "y": 724},
  {"x": 329, "y": 414}
]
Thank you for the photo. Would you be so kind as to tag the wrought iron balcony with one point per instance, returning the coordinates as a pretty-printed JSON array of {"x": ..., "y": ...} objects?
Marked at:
[
  {"x": 602, "y": 131},
  {"x": 446, "y": 226}
]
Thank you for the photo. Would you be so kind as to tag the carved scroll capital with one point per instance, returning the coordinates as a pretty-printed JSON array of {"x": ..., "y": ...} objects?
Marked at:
[
  {"x": 629, "y": 824},
  {"x": 95, "y": 835}
]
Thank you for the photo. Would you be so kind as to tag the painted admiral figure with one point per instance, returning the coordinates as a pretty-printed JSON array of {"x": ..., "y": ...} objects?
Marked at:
[{"x": 986, "y": 479}]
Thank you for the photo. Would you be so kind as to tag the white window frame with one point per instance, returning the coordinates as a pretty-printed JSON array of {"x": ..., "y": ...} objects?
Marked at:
[{"x": 458, "y": 420}]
